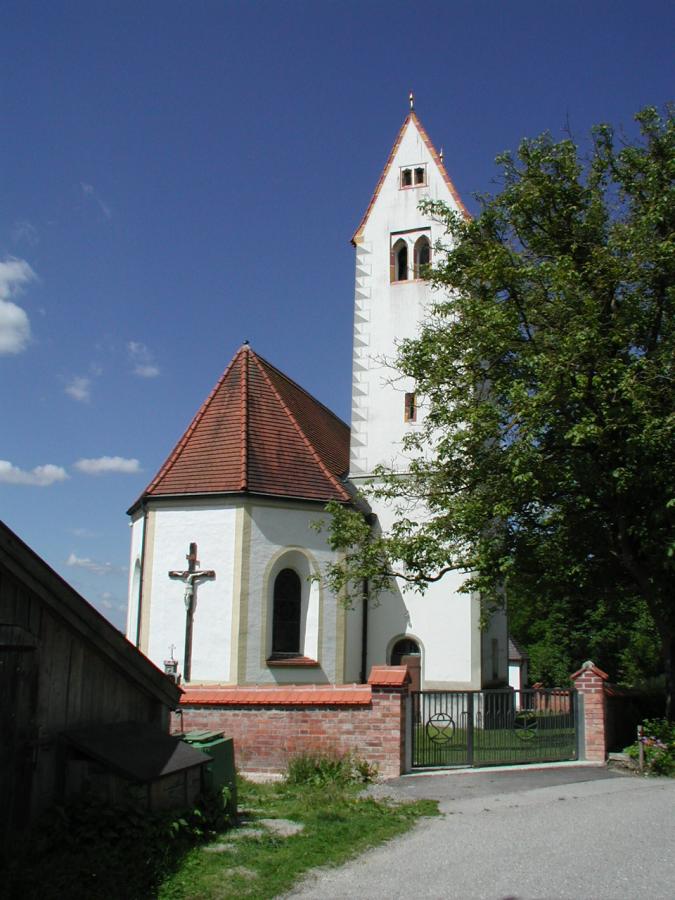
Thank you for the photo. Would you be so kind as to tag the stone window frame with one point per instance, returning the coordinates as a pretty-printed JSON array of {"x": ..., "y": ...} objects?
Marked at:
[{"x": 409, "y": 177}]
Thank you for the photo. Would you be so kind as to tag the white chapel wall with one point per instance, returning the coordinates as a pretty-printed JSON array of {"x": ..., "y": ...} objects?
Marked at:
[
  {"x": 212, "y": 527},
  {"x": 282, "y": 536}
]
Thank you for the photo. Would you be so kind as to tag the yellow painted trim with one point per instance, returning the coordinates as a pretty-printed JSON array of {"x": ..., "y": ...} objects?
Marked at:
[
  {"x": 340, "y": 637},
  {"x": 266, "y": 594},
  {"x": 244, "y": 595},
  {"x": 146, "y": 586},
  {"x": 236, "y": 591}
]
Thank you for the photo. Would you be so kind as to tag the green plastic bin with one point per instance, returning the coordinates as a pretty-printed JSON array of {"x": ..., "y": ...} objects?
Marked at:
[{"x": 220, "y": 772}]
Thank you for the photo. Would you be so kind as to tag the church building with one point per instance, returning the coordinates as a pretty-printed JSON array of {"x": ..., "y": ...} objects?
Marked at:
[{"x": 225, "y": 578}]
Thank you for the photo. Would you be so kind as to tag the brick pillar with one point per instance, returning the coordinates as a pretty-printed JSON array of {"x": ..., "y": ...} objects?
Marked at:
[
  {"x": 390, "y": 685},
  {"x": 590, "y": 684}
]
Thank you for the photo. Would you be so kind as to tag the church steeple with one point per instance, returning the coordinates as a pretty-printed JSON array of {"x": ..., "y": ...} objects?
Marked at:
[
  {"x": 394, "y": 242},
  {"x": 413, "y": 130}
]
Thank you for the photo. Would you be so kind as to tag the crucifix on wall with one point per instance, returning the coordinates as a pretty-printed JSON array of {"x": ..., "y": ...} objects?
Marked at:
[{"x": 190, "y": 576}]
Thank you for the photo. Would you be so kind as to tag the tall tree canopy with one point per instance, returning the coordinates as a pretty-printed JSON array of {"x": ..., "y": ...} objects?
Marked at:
[{"x": 545, "y": 458}]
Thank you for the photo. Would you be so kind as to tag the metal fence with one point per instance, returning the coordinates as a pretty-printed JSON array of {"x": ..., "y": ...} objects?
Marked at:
[{"x": 477, "y": 728}]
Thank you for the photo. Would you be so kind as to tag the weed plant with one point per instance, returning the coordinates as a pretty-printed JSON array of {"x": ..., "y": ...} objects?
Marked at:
[
  {"x": 320, "y": 769},
  {"x": 658, "y": 741}
]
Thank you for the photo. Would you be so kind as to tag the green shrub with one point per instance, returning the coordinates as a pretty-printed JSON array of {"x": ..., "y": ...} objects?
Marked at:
[
  {"x": 658, "y": 741},
  {"x": 319, "y": 769}
]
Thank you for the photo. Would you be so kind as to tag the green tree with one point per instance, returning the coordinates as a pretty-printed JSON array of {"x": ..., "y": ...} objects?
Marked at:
[{"x": 546, "y": 373}]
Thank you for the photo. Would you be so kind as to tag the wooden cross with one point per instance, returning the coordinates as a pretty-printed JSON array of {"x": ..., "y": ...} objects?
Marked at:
[{"x": 190, "y": 577}]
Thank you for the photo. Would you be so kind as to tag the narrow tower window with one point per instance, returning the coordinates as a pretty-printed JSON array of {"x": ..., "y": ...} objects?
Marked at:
[
  {"x": 410, "y": 409},
  {"x": 406, "y": 177},
  {"x": 422, "y": 255},
  {"x": 286, "y": 615},
  {"x": 399, "y": 261},
  {"x": 420, "y": 175}
]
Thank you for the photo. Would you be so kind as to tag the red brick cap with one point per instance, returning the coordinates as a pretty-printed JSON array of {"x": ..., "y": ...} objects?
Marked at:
[
  {"x": 589, "y": 668},
  {"x": 307, "y": 695},
  {"x": 389, "y": 676}
]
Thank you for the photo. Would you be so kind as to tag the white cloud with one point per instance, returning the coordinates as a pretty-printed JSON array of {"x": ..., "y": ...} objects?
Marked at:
[
  {"x": 110, "y": 601},
  {"x": 14, "y": 323},
  {"x": 90, "y": 565},
  {"x": 23, "y": 232},
  {"x": 105, "y": 464},
  {"x": 79, "y": 388},
  {"x": 84, "y": 533},
  {"x": 40, "y": 476},
  {"x": 89, "y": 191},
  {"x": 142, "y": 360}
]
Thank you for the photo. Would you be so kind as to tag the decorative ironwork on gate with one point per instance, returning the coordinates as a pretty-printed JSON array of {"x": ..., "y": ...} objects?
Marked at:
[{"x": 482, "y": 728}]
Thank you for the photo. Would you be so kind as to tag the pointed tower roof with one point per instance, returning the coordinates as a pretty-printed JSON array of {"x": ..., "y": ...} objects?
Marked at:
[
  {"x": 258, "y": 432},
  {"x": 413, "y": 118}
]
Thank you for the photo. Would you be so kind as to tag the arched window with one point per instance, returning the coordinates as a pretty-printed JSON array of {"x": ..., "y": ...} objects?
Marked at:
[
  {"x": 287, "y": 614},
  {"x": 399, "y": 261},
  {"x": 404, "y": 647},
  {"x": 422, "y": 255},
  {"x": 406, "y": 177}
]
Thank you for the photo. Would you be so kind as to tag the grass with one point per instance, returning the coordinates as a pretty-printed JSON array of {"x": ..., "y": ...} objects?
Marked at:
[{"x": 338, "y": 824}]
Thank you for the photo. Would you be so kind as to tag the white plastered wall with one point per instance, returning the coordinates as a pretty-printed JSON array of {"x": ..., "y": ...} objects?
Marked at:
[
  {"x": 212, "y": 527},
  {"x": 281, "y": 536},
  {"x": 443, "y": 620}
]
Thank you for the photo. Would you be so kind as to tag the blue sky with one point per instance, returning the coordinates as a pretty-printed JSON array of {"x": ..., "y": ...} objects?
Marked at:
[{"x": 180, "y": 176}]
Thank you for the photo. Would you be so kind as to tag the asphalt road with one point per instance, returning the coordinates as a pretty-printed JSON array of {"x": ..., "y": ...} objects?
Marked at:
[{"x": 551, "y": 834}]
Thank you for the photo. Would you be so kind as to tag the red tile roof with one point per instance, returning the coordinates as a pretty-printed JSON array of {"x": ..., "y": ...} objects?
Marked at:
[
  {"x": 395, "y": 676},
  {"x": 411, "y": 117},
  {"x": 258, "y": 432}
]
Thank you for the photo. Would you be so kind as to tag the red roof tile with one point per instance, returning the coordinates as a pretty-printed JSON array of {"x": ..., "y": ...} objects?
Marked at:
[
  {"x": 291, "y": 695},
  {"x": 411, "y": 117},
  {"x": 258, "y": 432}
]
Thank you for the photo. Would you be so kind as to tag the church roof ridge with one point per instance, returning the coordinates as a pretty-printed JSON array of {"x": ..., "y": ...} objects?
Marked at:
[
  {"x": 411, "y": 117},
  {"x": 189, "y": 431},
  {"x": 257, "y": 432},
  {"x": 299, "y": 387},
  {"x": 308, "y": 443}
]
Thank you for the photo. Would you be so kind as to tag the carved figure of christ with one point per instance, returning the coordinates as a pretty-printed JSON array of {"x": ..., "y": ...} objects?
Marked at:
[{"x": 191, "y": 576}]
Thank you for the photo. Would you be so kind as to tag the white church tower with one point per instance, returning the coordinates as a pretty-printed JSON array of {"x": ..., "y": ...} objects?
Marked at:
[{"x": 440, "y": 629}]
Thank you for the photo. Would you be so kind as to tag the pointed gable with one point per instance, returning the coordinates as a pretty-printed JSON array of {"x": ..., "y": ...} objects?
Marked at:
[
  {"x": 413, "y": 121},
  {"x": 258, "y": 432}
]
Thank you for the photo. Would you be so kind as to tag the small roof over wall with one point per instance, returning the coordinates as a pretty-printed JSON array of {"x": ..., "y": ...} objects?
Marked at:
[
  {"x": 516, "y": 653},
  {"x": 137, "y": 751}
]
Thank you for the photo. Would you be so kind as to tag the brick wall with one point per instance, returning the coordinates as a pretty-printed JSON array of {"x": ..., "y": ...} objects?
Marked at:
[
  {"x": 590, "y": 684},
  {"x": 270, "y": 725}
]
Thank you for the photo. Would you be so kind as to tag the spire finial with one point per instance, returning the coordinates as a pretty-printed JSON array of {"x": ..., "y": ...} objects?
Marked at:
[
  {"x": 412, "y": 100},
  {"x": 441, "y": 154}
]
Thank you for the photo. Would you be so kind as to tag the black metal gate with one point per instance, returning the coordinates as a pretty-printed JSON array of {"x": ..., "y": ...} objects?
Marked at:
[{"x": 484, "y": 728}]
